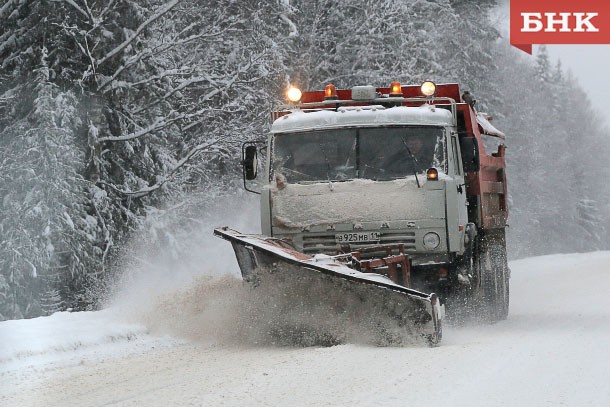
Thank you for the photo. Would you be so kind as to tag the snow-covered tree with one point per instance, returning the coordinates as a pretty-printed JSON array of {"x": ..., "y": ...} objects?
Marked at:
[{"x": 41, "y": 215}]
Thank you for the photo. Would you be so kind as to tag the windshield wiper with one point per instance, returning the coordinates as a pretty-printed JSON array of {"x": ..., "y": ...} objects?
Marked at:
[
  {"x": 330, "y": 183},
  {"x": 352, "y": 150},
  {"x": 404, "y": 143}
]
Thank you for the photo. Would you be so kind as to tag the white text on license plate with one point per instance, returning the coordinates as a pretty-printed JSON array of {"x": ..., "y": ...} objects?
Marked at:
[{"x": 357, "y": 237}]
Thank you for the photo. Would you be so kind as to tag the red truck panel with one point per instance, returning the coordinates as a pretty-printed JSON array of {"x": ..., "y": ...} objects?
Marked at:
[{"x": 489, "y": 184}]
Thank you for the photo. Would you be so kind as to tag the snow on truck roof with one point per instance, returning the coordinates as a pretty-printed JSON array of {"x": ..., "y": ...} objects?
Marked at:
[{"x": 362, "y": 116}]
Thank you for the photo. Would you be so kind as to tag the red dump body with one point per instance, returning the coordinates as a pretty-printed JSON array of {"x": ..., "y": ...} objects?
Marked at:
[
  {"x": 488, "y": 186},
  {"x": 486, "y": 189}
]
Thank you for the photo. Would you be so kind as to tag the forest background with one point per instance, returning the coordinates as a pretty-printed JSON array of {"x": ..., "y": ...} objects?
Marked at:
[{"x": 122, "y": 120}]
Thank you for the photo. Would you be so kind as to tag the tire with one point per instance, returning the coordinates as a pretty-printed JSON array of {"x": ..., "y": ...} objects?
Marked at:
[
  {"x": 435, "y": 339},
  {"x": 494, "y": 276},
  {"x": 460, "y": 302}
]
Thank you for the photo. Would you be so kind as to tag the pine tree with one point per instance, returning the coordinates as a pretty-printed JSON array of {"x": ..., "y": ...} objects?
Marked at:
[
  {"x": 43, "y": 198},
  {"x": 543, "y": 65}
]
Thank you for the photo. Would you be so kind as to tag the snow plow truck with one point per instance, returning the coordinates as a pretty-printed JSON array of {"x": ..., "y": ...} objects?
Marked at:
[{"x": 386, "y": 194}]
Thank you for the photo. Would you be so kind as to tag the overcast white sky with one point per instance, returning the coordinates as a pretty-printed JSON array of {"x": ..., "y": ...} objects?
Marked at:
[{"x": 590, "y": 64}]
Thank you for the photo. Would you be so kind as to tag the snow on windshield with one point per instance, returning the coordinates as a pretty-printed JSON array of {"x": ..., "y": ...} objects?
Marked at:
[{"x": 369, "y": 153}]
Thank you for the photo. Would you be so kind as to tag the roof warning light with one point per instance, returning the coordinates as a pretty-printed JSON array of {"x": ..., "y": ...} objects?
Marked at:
[
  {"x": 428, "y": 88},
  {"x": 330, "y": 93},
  {"x": 294, "y": 94},
  {"x": 395, "y": 89}
]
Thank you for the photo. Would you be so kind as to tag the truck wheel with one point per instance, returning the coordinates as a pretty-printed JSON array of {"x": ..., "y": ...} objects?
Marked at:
[
  {"x": 506, "y": 301},
  {"x": 492, "y": 266},
  {"x": 434, "y": 339},
  {"x": 502, "y": 272},
  {"x": 460, "y": 299}
]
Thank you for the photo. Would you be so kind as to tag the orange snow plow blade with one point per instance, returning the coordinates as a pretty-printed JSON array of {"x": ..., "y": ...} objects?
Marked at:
[{"x": 412, "y": 314}]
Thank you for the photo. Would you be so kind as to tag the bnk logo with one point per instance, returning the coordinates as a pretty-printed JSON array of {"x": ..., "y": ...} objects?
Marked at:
[
  {"x": 559, "y": 22},
  {"x": 581, "y": 22}
]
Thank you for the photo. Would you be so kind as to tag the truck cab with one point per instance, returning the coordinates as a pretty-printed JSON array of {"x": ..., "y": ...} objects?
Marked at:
[{"x": 359, "y": 176}]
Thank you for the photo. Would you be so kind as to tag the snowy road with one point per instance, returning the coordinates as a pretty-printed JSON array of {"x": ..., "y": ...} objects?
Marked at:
[{"x": 553, "y": 350}]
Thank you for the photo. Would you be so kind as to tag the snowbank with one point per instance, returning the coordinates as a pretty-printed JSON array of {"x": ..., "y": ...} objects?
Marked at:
[{"x": 64, "y": 338}]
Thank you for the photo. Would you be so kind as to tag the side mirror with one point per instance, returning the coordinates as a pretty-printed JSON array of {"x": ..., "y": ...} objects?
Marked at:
[
  {"x": 250, "y": 162},
  {"x": 470, "y": 154}
]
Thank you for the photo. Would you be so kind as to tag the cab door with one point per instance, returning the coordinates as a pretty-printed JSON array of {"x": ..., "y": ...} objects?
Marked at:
[{"x": 457, "y": 210}]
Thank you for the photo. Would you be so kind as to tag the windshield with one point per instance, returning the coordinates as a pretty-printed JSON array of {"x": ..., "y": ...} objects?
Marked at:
[{"x": 371, "y": 153}]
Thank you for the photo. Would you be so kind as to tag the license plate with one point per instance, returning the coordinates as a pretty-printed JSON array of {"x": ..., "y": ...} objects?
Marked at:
[{"x": 363, "y": 237}]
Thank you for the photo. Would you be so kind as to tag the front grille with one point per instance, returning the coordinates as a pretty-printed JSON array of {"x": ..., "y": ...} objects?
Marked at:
[
  {"x": 326, "y": 243},
  {"x": 320, "y": 244},
  {"x": 400, "y": 237}
]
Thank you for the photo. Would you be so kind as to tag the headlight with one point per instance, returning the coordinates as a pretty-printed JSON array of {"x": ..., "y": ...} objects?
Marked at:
[{"x": 431, "y": 240}]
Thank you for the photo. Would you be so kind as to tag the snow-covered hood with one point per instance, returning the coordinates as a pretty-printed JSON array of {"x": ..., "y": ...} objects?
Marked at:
[{"x": 299, "y": 205}]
